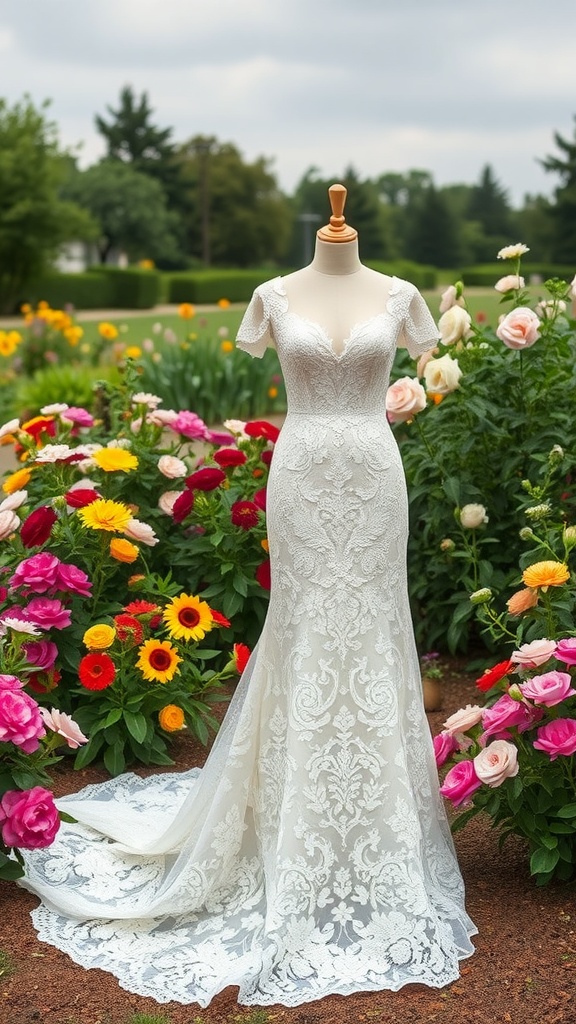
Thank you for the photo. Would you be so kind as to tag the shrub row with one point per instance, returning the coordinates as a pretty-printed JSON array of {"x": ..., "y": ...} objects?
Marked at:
[
  {"x": 207, "y": 286},
  {"x": 486, "y": 274},
  {"x": 417, "y": 273},
  {"x": 99, "y": 288}
]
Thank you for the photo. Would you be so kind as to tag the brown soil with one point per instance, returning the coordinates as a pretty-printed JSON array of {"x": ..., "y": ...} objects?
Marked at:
[{"x": 523, "y": 971}]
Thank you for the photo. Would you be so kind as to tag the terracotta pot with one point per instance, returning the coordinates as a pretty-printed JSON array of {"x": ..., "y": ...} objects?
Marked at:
[{"x": 432, "y": 689}]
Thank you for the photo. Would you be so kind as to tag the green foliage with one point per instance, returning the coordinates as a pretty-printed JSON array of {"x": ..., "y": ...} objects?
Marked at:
[
  {"x": 563, "y": 212},
  {"x": 74, "y": 385},
  {"x": 433, "y": 231},
  {"x": 34, "y": 221},
  {"x": 208, "y": 286},
  {"x": 362, "y": 211},
  {"x": 416, "y": 273},
  {"x": 485, "y": 275},
  {"x": 131, "y": 287},
  {"x": 87, "y": 290}
]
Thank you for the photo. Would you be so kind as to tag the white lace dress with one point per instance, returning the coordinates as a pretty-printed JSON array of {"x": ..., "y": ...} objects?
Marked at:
[{"x": 311, "y": 855}]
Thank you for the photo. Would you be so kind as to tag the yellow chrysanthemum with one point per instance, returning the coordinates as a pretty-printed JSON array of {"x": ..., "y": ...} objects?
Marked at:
[
  {"x": 186, "y": 310},
  {"x": 227, "y": 346},
  {"x": 104, "y": 514},
  {"x": 16, "y": 481},
  {"x": 158, "y": 661},
  {"x": 171, "y": 718},
  {"x": 188, "y": 618},
  {"x": 546, "y": 574},
  {"x": 133, "y": 352},
  {"x": 99, "y": 637},
  {"x": 73, "y": 335},
  {"x": 107, "y": 331},
  {"x": 123, "y": 550},
  {"x": 9, "y": 341},
  {"x": 113, "y": 460}
]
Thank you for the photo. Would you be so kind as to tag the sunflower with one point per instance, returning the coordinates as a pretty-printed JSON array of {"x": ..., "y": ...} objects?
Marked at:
[
  {"x": 113, "y": 460},
  {"x": 158, "y": 661},
  {"x": 546, "y": 574},
  {"x": 188, "y": 618},
  {"x": 105, "y": 515}
]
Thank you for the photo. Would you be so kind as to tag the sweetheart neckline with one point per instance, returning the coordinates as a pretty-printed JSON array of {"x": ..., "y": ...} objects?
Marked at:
[{"x": 321, "y": 330}]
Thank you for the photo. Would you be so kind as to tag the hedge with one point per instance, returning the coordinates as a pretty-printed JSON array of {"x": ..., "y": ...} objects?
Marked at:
[
  {"x": 207, "y": 286},
  {"x": 485, "y": 275},
  {"x": 98, "y": 288},
  {"x": 131, "y": 287},
  {"x": 417, "y": 273}
]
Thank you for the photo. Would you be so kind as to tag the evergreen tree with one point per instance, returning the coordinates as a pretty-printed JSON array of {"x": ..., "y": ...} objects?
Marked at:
[
  {"x": 489, "y": 205},
  {"x": 563, "y": 211},
  {"x": 362, "y": 211},
  {"x": 433, "y": 237}
]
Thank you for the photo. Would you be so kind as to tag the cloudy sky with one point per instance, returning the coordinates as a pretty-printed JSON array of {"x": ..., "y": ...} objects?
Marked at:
[{"x": 444, "y": 85}]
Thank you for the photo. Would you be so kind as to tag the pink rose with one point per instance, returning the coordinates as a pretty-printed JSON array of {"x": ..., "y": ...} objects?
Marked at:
[
  {"x": 557, "y": 738},
  {"x": 41, "y": 653},
  {"x": 444, "y": 745},
  {"x": 508, "y": 283},
  {"x": 534, "y": 654},
  {"x": 507, "y": 713},
  {"x": 566, "y": 651},
  {"x": 29, "y": 819},
  {"x": 9, "y": 523},
  {"x": 20, "y": 720},
  {"x": 73, "y": 579},
  {"x": 48, "y": 614},
  {"x": 172, "y": 467},
  {"x": 8, "y": 682},
  {"x": 519, "y": 329},
  {"x": 162, "y": 417},
  {"x": 548, "y": 689},
  {"x": 141, "y": 532},
  {"x": 190, "y": 425},
  {"x": 65, "y": 726},
  {"x": 463, "y": 719},
  {"x": 404, "y": 399},
  {"x": 460, "y": 783},
  {"x": 39, "y": 573},
  {"x": 79, "y": 417},
  {"x": 497, "y": 762}
]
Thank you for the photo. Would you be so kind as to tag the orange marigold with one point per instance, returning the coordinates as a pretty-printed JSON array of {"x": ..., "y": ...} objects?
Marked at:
[
  {"x": 522, "y": 600},
  {"x": 171, "y": 718},
  {"x": 546, "y": 574}
]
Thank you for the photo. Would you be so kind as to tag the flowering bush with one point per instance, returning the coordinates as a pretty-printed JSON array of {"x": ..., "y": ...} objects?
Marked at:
[
  {"x": 515, "y": 756},
  {"x": 497, "y": 412}
]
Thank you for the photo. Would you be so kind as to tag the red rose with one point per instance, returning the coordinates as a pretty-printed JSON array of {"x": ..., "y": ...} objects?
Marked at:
[
  {"x": 96, "y": 671},
  {"x": 182, "y": 507},
  {"x": 260, "y": 499},
  {"x": 261, "y": 428},
  {"x": 493, "y": 675},
  {"x": 245, "y": 514},
  {"x": 37, "y": 527},
  {"x": 241, "y": 655},
  {"x": 230, "y": 457},
  {"x": 262, "y": 574},
  {"x": 205, "y": 479},
  {"x": 81, "y": 496}
]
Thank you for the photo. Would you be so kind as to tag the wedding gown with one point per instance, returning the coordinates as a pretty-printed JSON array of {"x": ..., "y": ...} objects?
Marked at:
[{"x": 311, "y": 855}]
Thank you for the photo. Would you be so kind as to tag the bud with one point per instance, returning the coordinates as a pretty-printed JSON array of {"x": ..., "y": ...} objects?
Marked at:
[
  {"x": 515, "y": 692},
  {"x": 481, "y": 596},
  {"x": 526, "y": 533},
  {"x": 447, "y": 544},
  {"x": 569, "y": 536},
  {"x": 556, "y": 453},
  {"x": 526, "y": 485},
  {"x": 540, "y": 511}
]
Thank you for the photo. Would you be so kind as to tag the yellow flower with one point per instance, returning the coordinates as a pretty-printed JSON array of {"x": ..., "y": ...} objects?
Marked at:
[
  {"x": 133, "y": 352},
  {"x": 264, "y": 544},
  {"x": 158, "y": 661},
  {"x": 9, "y": 341},
  {"x": 146, "y": 264},
  {"x": 113, "y": 460},
  {"x": 188, "y": 618},
  {"x": 107, "y": 331},
  {"x": 272, "y": 392},
  {"x": 104, "y": 514},
  {"x": 123, "y": 550},
  {"x": 25, "y": 308},
  {"x": 186, "y": 310},
  {"x": 546, "y": 574},
  {"x": 43, "y": 305},
  {"x": 99, "y": 637},
  {"x": 223, "y": 303},
  {"x": 227, "y": 346},
  {"x": 171, "y": 718},
  {"x": 73, "y": 335},
  {"x": 16, "y": 481}
]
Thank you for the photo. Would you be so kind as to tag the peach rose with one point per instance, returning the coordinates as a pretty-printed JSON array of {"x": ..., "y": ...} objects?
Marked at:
[
  {"x": 166, "y": 501},
  {"x": 522, "y": 601},
  {"x": 463, "y": 719},
  {"x": 454, "y": 325},
  {"x": 404, "y": 399},
  {"x": 450, "y": 298},
  {"x": 137, "y": 530},
  {"x": 509, "y": 283},
  {"x": 172, "y": 467},
  {"x": 534, "y": 654},
  {"x": 442, "y": 375},
  {"x": 519, "y": 329},
  {"x": 498, "y": 761}
]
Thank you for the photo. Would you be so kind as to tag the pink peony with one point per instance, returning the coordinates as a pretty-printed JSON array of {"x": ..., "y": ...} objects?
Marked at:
[
  {"x": 38, "y": 573},
  {"x": 8, "y": 682},
  {"x": 519, "y": 329},
  {"x": 404, "y": 399},
  {"x": 557, "y": 738},
  {"x": 566, "y": 651},
  {"x": 41, "y": 653},
  {"x": 65, "y": 726},
  {"x": 534, "y": 654},
  {"x": 548, "y": 689},
  {"x": 497, "y": 762},
  {"x": 20, "y": 720},
  {"x": 507, "y": 713},
  {"x": 48, "y": 614},
  {"x": 460, "y": 783},
  {"x": 444, "y": 745},
  {"x": 28, "y": 819},
  {"x": 73, "y": 579},
  {"x": 190, "y": 425},
  {"x": 463, "y": 719}
]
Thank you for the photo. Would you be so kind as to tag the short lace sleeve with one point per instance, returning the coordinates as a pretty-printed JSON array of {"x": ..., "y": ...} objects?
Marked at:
[
  {"x": 254, "y": 335},
  {"x": 419, "y": 332}
]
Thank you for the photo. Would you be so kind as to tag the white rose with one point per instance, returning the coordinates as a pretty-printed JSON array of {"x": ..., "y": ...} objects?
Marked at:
[
  {"x": 442, "y": 375},
  {"x": 9, "y": 523},
  {"x": 513, "y": 252},
  {"x": 167, "y": 501},
  {"x": 404, "y": 399},
  {"x": 509, "y": 283},
  {"x": 472, "y": 516},
  {"x": 13, "y": 501},
  {"x": 463, "y": 719},
  {"x": 172, "y": 467},
  {"x": 450, "y": 298},
  {"x": 236, "y": 427},
  {"x": 498, "y": 761},
  {"x": 454, "y": 324},
  {"x": 137, "y": 530},
  {"x": 55, "y": 409}
]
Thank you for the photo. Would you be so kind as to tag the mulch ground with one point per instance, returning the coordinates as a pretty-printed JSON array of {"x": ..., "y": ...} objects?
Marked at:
[{"x": 523, "y": 971}]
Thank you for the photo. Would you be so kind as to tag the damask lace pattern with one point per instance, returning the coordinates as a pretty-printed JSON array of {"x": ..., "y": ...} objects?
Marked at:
[{"x": 311, "y": 855}]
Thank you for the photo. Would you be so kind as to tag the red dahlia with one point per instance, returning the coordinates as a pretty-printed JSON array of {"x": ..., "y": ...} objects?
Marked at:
[
  {"x": 245, "y": 514},
  {"x": 230, "y": 457},
  {"x": 241, "y": 655},
  {"x": 261, "y": 428},
  {"x": 219, "y": 619},
  {"x": 96, "y": 671},
  {"x": 129, "y": 630}
]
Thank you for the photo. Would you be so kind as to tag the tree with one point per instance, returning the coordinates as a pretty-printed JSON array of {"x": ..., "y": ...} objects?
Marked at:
[
  {"x": 563, "y": 211},
  {"x": 129, "y": 208},
  {"x": 489, "y": 205},
  {"x": 362, "y": 211},
  {"x": 34, "y": 221},
  {"x": 433, "y": 237}
]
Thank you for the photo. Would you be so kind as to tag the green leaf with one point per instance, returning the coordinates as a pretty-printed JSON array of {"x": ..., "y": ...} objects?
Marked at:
[
  {"x": 87, "y": 753},
  {"x": 112, "y": 717},
  {"x": 569, "y": 811},
  {"x": 114, "y": 758},
  {"x": 543, "y": 860},
  {"x": 136, "y": 724}
]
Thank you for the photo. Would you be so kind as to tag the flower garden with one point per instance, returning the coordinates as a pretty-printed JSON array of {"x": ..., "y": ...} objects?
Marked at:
[{"x": 134, "y": 573}]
